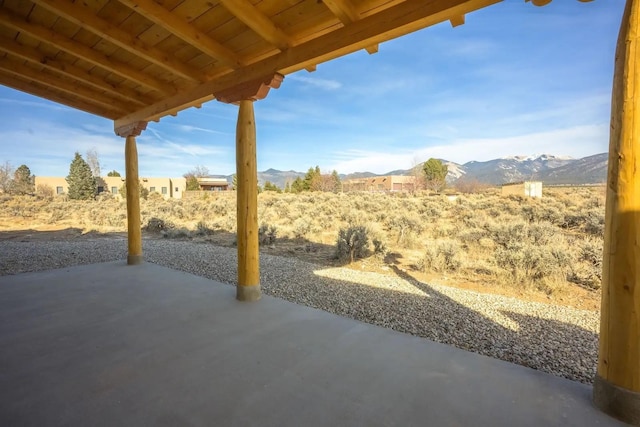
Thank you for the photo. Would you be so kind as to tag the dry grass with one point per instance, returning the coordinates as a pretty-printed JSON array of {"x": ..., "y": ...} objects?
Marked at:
[{"x": 549, "y": 245}]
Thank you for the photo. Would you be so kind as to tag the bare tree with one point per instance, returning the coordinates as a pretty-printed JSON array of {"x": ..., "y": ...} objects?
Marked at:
[
  {"x": 193, "y": 175},
  {"x": 6, "y": 175},
  {"x": 417, "y": 174},
  {"x": 198, "y": 172},
  {"x": 93, "y": 160}
]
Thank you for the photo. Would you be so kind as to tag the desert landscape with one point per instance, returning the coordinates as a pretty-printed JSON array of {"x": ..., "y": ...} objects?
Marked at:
[{"x": 510, "y": 277}]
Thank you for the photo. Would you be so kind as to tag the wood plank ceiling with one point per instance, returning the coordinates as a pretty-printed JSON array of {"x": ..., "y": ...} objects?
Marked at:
[{"x": 139, "y": 60}]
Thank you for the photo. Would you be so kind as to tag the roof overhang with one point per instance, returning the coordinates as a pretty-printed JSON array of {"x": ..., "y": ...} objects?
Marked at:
[{"x": 136, "y": 61}]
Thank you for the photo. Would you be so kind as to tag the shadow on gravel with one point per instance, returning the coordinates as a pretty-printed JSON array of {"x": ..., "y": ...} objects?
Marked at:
[{"x": 552, "y": 346}]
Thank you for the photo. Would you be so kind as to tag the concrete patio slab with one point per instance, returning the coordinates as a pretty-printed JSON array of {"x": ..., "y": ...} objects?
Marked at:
[{"x": 110, "y": 344}]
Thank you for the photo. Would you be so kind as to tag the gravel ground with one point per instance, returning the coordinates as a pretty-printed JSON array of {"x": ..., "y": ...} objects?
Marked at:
[{"x": 559, "y": 340}]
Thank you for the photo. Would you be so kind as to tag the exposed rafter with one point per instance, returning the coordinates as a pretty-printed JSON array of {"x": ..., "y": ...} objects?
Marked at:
[
  {"x": 52, "y": 38},
  {"x": 82, "y": 16},
  {"x": 19, "y": 70},
  {"x": 258, "y": 22},
  {"x": 395, "y": 21},
  {"x": 36, "y": 89},
  {"x": 182, "y": 29},
  {"x": 347, "y": 14},
  {"x": 457, "y": 20},
  {"x": 35, "y": 56}
]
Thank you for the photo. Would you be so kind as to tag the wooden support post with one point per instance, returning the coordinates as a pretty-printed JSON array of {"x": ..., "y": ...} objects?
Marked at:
[
  {"x": 244, "y": 94},
  {"x": 132, "y": 182},
  {"x": 616, "y": 388},
  {"x": 248, "y": 288},
  {"x": 134, "y": 232}
]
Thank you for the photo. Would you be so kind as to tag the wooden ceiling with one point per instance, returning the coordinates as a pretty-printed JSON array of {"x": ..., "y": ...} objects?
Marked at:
[{"x": 139, "y": 60}]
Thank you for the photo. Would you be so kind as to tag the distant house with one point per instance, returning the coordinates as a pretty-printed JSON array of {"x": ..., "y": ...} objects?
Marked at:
[
  {"x": 380, "y": 184},
  {"x": 213, "y": 184},
  {"x": 524, "y": 189},
  {"x": 169, "y": 188}
]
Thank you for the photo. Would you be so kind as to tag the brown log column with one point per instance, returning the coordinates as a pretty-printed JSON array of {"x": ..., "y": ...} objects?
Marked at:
[
  {"x": 616, "y": 388},
  {"x": 134, "y": 232},
  {"x": 132, "y": 182},
  {"x": 248, "y": 288}
]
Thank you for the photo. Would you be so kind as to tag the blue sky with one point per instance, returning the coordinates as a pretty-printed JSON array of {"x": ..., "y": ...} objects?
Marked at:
[{"x": 514, "y": 80}]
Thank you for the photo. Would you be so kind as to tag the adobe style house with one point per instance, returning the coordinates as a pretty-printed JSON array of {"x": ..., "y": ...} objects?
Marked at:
[
  {"x": 524, "y": 189},
  {"x": 380, "y": 184},
  {"x": 169, "y": 188},
  {"x": 213, "y": 184}
]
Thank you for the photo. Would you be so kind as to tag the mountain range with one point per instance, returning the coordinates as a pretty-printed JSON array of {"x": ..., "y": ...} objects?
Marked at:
[{"x": 550, "y": 169}]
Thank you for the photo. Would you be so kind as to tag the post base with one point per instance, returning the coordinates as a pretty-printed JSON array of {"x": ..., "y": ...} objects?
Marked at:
[
  {"x": 248, "y": 293},
  {"x": 134, "y": 259},
  {"x": 616, "y": 401}
]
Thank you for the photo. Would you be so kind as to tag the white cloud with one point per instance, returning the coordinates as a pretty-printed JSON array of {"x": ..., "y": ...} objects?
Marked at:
[
  {"x": 326, "y": 84},
  {"x": 189, "y": 128},
  {"x": 576, "y": 142}
]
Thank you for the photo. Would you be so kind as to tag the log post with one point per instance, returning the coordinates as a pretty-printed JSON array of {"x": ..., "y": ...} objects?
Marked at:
[
  {"x": 616, "y": 388},
  {"x": 132, "y": 183},
  {"x": 248, "y": 288},
  {"x": 244, "y": 95}
]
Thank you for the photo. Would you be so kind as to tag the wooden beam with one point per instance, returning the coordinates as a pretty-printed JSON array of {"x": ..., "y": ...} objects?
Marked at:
[
  {"x": 182, "y": 29},
  {"x": 404, "y": 18},
  {"x": 72, "y": 89},
  {"x": 86, "y": 53},
  {"x": 258, "y": 22},
  {"x": 347, "y": 13},
  {"x": 343, "y": 9},
  {"x": 253, "y": 90},
  {"x": 456, "y": 21},
  {"x": 36, "y": 57},
  {"x": 617, "y": 384},
  {"x": 81, "y": 15},
  {"x": 248, "y": 288},
  {"x": 36, "y": 89}
]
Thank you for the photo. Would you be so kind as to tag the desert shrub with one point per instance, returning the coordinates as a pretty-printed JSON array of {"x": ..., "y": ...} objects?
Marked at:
[
  {"x": 44, "y": 191},
  {"x": 541, "y": 233},
  {"x": 104, "y": 197},
  {"x": 473, "y": 235},
  {"x": 442, "y": 256},
  {"x": 267, "y": 234},
  {"x": 405, "y": 225},
  {"x": 531, "y": 264},
  {"x": 587, "y": 271},
  {"x": 352, "y": 243},
  {"x": 154, "y": 196},
  {"x": 594, "y": 222},
  {"x": 508, "y": 233},
  {"x": 301, "y": 227},
  {"x": 202, "y": 229},
  {"x": 156, "y": 225}
]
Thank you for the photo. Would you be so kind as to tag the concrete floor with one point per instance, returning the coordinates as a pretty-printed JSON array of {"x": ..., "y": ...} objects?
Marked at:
[{"x": 112, "y": 345}]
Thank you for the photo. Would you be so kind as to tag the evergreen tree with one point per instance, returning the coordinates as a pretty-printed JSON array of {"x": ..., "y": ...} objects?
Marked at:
[
  {"x": 297, "y": 186},
  {"x": 336, "y": 183},
  {"x": 23, "y": 181},
  {"x": 269, "y": 186},
  {"x": 234, "y": 181},
  {"x": 82, "y": 183},
  {"x": 287, "y": 187},
  {"x": 435, "y": 173},
  {"x": 192, "y": 183},
  {"x": 113, "y": 173}
]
